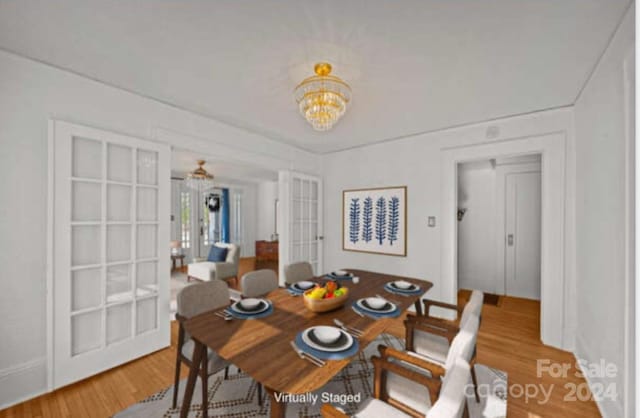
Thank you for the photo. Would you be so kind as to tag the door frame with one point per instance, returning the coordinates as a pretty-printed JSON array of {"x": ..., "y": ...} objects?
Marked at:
[{"x": 552, "y": 147}]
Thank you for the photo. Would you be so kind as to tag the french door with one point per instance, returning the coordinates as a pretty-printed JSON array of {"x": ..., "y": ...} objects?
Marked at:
[
  {"x": 300, "y": 218},
  {"x": 111, "y": 201}
]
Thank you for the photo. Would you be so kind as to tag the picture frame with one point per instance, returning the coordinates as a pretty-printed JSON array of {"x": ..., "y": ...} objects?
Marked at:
[{"x": 374, "y": 220}]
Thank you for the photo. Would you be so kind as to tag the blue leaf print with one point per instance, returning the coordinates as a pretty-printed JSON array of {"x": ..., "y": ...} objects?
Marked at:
[
  {"x": 367, "y": 215},
  {"x": 354, "y": 220},
  {"x": 394, "y": 219},
  {"x": 381, "y": 219}
]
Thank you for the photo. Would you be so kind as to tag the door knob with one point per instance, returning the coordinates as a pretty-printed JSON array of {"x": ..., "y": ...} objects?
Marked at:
[{"x": 510, "y": 240}]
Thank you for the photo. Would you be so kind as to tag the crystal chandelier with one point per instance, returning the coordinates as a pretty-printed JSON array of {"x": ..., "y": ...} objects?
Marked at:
[
  {"x": 322, "y": 99},
  {"x": 199, "y": 179}
]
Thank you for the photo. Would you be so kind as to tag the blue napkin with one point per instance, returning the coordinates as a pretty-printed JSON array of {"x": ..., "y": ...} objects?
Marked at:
[{"x": 328, "y": 355}]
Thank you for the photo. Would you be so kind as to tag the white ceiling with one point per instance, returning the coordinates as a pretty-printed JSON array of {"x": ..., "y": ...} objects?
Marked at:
[
  {"x": 414, "y": 65},
  {"x": 183, "y": 162}
]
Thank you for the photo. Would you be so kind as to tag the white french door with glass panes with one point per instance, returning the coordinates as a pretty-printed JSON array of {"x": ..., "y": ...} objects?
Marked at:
[
  {"x": 111, "y": 202},
  {"x": 301, "y": 220}
]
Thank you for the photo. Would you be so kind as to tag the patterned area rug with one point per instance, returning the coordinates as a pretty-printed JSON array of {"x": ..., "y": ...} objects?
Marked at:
[{"x": 238, "y": 396}]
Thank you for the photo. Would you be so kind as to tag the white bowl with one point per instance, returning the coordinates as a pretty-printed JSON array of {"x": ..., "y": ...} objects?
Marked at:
[
  {"x": 376, "y": 303},
  {"x": 326, "y": 334},
  {"x": 341, "y": 273},
  {"x": 305, "y": 284},
  {"x": 249, "y": 303},
  {"x": 401, "y": 284}
]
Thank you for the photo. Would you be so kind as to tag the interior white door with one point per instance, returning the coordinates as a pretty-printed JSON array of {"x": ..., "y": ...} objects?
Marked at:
[
  {"x": 522, "y": 249},
  {"x": 111, "y": 211},
  {"x": 300, "y": 219}
]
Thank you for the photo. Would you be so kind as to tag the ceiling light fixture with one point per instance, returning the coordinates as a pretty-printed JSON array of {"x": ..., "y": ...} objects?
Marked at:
[
  {"x": 199, "y": 179},
  {"x": 322, "y": 99}
]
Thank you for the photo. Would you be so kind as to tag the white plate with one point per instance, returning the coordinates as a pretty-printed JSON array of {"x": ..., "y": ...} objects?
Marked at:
[
  {"x": 392, "y": 307},
  {"x": 237, "y": 308},
  {"x": 341, "y": 273},
  {"x": 345, "y": 346}
]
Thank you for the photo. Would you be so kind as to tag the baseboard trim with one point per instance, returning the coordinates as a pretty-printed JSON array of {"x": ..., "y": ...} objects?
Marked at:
[{"x": 9, "y": 376}]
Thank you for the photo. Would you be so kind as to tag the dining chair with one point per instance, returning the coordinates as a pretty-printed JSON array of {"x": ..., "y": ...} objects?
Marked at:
[
  {"x": 472, "y": 307},
  {"x": 443, "y": 398},
  {"x": 421, "y": 341},
  {"x": 193, "y": 300},
  {"x": 258, "y": 283},
  {"x": 297, "y": 272}
]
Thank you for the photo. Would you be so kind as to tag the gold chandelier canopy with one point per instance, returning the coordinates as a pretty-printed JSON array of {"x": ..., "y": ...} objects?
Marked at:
[{"x": 322, "y": 99}]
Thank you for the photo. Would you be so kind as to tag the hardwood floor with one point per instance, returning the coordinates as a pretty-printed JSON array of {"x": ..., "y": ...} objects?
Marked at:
[{"x": 508, "y": 340}]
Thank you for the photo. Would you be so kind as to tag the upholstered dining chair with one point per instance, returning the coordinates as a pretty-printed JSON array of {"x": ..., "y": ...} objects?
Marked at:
[
  {"x": 258, "y": 283},
  {"x": 193, "y": 300},
  {"x": 443, "y": 398},
  {"x": 297, "y": 272},
  {"x": 440, "y": 346},
  {"x": 472, "y": 307}
]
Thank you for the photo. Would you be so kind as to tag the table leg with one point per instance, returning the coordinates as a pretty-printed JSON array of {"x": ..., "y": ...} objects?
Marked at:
[
  {"x": 419, "y": 307},
  {"x": 278, "y": 409},
  {"x": 173, "y": 264},
  {"x": 196, "y": 363}
]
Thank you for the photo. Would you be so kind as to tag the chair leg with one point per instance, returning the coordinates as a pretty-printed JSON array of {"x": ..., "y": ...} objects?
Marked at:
[
  {"x": 259, "y": 394},
  {"x": 205, "y": 387},
  {"x": 226, "y": 373},
  {"x": 475, "y": 382},
  {"x": 176, "y": 383}
]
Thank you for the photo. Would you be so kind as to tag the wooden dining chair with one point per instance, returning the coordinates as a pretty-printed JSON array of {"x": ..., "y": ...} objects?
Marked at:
[
  {"x": 194, "y": 300},
  {"x": 297, "y": 272},
  {"x": 442, "y": 397},
  {"x": 258, "y": 283},
  {"x": 440, "y": 345}
]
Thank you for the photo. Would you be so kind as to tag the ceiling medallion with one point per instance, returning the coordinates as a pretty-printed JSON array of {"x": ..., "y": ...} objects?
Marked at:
[
  {"x": 199, "y": 179},
  {"x": 322, "y": 99}
]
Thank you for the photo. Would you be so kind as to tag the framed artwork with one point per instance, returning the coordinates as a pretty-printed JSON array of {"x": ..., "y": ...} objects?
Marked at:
[{"x": 375, "y": 220}]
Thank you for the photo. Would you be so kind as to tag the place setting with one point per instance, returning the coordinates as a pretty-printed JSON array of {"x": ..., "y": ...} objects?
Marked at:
[
  {"x": 402, "y": 288},
  {"x": 250, "y": 308},
  {"x": 323, "y": 342},
  {"x": 343, "y": 275},
  {"x": 376, "y": 307},
  {"x": 297, "y": 289}
]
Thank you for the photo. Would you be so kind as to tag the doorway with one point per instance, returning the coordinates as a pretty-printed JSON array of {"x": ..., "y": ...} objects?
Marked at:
[
  {"x": 499, "y": 221},
  {"x": 555, "y": 282}
]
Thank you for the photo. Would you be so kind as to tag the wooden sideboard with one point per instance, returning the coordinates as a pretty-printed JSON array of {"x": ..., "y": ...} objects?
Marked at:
[{"x": 266, "y": 250}]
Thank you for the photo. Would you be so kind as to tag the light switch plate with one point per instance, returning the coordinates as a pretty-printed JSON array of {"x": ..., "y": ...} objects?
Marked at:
[{"x": 431, "y": 221}]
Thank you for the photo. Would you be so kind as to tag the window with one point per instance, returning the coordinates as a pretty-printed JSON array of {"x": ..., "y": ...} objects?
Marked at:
[
  {"x": 185, "y": 219},
  {"x": 237, "y": 218}
]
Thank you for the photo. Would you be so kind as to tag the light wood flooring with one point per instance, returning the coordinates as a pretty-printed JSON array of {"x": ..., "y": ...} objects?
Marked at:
[{"x": 508, "y": 340}]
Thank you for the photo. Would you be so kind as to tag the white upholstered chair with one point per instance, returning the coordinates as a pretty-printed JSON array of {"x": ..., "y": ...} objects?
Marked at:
[
  {"x": 442, "y": 398},
  {"x": 225, "y": 270},
  {"x": 297, "y": 272},
  {"x": 258, "y": 283},
  {"x": 193, "y": 300}
]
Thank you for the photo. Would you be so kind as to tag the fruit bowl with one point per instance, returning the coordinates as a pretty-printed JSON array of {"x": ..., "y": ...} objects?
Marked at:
[{"x": 319, "y": 302}]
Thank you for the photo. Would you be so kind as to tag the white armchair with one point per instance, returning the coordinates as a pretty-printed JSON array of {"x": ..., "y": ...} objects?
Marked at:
[{"x": 225, "y": 270}]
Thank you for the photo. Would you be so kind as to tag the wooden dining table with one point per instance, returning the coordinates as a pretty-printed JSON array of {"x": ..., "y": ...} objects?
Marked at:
[{"x": 261, "y": 347}]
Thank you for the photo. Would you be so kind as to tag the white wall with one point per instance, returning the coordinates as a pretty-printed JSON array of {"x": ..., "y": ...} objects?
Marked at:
[
  {"x": 477, "y": 230},
  {"x": 416, "y": 163},
  {"x": 30, "y": 94},
  {"x": 267, "y": 195},
  {"x": 602, "y": 195}
]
